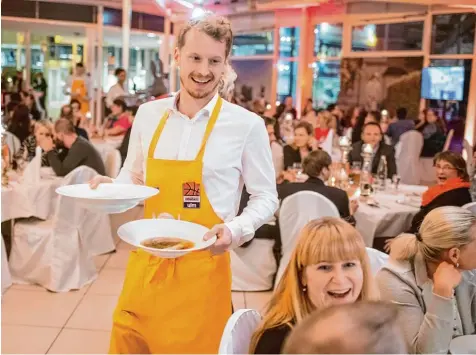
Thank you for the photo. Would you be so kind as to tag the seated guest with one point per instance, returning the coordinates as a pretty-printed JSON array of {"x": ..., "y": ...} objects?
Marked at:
[
  {"x": 452, "y": 188},
  {"x": 372, "y": 134},
  {"x": 29, "y": 101},
  {"x": 301, "y": 147},
  {"x": 309, "y": 114},
  {"x": 42, "y": 129},
  {"x": 119, "y": 121},
  {"x": 403, "y": 125},
  {"x": 434, "y": 133},
  {"x": 67, "y": 112},
  {"x": 317, "y": 166},
  {"x": 329, "y": 266},
  {"x": 80, "y": 151},
  {"x": 276, "y": 147},
  {"x": 357, "y": 328},
  {"x": 356, "y": 134},
  {"x": 373, "y": 116},
  {"x": 431, "y": 276},
  {"x": 325, "y": 120}
]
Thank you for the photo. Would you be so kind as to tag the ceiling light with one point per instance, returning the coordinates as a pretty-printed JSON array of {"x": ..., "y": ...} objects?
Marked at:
[
  {"x": 197, "y": 12},
  {"x": 151, "y": 35}
]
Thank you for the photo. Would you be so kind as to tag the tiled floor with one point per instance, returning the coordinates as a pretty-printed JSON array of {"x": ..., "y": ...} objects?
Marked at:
[{"x": 37, "y": 321}]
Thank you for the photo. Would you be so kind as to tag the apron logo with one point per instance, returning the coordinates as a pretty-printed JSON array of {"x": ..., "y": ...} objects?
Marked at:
[{"x": 191, "y": 195}]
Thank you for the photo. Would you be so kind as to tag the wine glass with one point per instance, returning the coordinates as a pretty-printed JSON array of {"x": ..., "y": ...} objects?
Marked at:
[{"x": 396, "y": 181}]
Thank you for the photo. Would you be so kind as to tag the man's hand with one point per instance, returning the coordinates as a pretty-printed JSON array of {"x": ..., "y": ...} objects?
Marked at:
[
  {"x": 46, "y": 144},
  {"x": 223, "y": 238},
  {"x": 99, "y": 179}
]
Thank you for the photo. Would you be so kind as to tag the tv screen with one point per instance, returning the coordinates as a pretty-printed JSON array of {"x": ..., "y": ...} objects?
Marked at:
[{"x": 442, "y": 83}]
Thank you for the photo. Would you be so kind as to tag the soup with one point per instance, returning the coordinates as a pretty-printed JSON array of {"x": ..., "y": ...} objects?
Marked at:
[{"x": 168, "y": 243}]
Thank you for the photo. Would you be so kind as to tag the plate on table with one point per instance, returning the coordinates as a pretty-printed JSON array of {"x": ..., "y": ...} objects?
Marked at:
[
  {"x": 138, "y": 233},
  {"x": 108, "y": 198},
  {"x": 465, "y": 344}
]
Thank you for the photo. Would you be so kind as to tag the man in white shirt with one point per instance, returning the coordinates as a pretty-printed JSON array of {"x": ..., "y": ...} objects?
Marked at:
[
  {"x": 117, "y": 90},
  {"x": 199, "y": 150}
]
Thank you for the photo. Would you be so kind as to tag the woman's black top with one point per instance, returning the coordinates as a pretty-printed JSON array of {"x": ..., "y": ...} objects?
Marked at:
[{"x": 272, "y": 340}]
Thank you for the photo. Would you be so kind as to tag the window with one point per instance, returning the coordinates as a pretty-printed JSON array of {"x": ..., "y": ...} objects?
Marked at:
[
  {"x": 253, "y": 44},
  {"x": 325, "y": 83},
  {"x": 289, "y": 42},
  {"x": 388, "y": 37},
  {"x": 453, "y": 34},
  {"x": 328, "y": 40},
  {"x": 287, "y": 74}
]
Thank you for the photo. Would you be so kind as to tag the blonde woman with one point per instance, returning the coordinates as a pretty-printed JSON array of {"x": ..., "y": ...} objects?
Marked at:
[
  {"x": 431, "y": 276},
  {"x": 41, "y": 129},
  {"x": 328, "y": 267}
]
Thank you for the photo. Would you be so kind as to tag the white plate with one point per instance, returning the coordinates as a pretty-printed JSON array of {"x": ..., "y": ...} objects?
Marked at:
[
  {"x": 137, "y": 231},
  {"x": 108, "y": 198},
  {"x": 465, "y": 344}
]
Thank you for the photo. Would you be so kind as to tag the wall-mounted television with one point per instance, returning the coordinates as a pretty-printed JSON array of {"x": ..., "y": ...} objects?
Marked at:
[{"x": 442, "y": 83}]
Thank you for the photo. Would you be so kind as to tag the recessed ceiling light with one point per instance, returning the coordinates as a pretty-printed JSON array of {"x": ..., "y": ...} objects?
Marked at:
[{"x": 151, "y": 35}]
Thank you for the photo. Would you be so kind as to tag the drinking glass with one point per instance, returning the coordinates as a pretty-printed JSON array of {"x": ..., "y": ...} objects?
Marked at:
[
  {"x": 355, "y": 171},
  {"x": 395, "y": 181}
]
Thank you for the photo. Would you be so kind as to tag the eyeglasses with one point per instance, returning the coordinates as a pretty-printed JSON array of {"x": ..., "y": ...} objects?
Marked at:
[{"x": 445, "y": 168}]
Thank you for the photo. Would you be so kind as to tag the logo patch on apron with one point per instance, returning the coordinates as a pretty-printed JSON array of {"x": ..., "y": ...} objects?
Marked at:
[{"x": 191, "y": 195}]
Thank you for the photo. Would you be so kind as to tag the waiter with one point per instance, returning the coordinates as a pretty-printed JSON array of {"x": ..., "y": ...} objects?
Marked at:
[
  {"x": 182, "y": 305},
  {"x": 79, "y": 87}
]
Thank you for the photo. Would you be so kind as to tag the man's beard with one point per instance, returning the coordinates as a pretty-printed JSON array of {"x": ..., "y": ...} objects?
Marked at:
[{"x": 199, "y": 95}]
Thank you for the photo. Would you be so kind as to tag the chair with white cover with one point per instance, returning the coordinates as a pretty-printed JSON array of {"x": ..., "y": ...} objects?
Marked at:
[
  {"x": 408, "y": 160},
  {"x": 449, "y": 138},
  {"x": 327, "y": 144},
  {"x": 112, "y": 163},
  {"x": 427, "y": 172},
  {"x": 253, "y": 268},
  {"x": 13, "y": 142},
  {"x": 6, "y": 277},
  {"x": 296, "y": 211},
  {"x": 377, "y": 259},
  {"x": 471, "y": 206},
  {"x": 239, "y": 329},
  {"x": 56, "y": 253}
]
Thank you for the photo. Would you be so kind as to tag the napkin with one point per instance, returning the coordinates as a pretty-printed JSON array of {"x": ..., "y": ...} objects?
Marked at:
[{"x": 31, "y": 175}]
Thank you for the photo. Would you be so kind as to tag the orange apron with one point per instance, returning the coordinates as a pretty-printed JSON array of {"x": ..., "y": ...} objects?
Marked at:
[
  {"x": 175, "y": 305},
  {"x": 78, "y": 87}
]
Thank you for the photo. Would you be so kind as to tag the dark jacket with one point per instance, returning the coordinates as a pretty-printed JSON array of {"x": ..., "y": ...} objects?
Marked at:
[
  {"x": 272, "y": 340},
  {"x": 292, "y": 156},
  {"x": 338, "y": 197},
  {"x": 383, "y": 149},
  {"x": 457, "y": 197}
]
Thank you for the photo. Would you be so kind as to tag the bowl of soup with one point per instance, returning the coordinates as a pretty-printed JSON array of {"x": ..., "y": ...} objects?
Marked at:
[{"x": 166, "y": 238}]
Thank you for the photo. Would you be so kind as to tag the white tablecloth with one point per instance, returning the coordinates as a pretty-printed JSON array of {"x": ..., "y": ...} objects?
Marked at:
[
  {"x": 391, "y": 218},
  {"x": 21, "y": 200}
]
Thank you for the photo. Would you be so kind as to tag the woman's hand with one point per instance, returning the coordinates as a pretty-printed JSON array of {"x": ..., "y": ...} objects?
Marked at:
[
  {"x": 445, "y": 279},
  {"x": 354, "y": 206},
  {"x": 313, "y": 143}
]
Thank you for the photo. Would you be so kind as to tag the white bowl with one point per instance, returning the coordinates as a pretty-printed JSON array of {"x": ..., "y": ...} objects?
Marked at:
[
  {"x": 108, "y": 198},
  {"x": 465, "y": 344},
  {"x": 136, "y": 232}
]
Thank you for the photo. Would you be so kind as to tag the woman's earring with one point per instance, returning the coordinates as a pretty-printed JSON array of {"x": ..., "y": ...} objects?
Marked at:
[
  {"x": 304, "y": 288},
  {"x": 457, "y": 265}
]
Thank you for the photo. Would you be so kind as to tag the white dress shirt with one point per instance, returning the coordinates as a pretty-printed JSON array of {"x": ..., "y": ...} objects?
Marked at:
[
  {"x": 237, "y": 153},
  {"x": 114, "y": 92}
]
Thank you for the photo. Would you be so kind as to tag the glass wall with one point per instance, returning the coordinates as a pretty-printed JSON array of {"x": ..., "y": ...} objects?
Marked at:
[
  {"x": 453, "y": 34},
  {"x": 325, "y": 83},
  {"x": 287, "y": 74},
  {"x": 289, "y": 42},
  {"x": 328, "y": 40},
  {"x": 251, "y": 44}
]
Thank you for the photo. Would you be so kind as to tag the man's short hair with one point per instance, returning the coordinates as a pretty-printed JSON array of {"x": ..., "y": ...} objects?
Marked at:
[
  {"x": 121, "y": 103},
  {"x": 358, "y": 328},
  {"x": 118, "y": 71},
  {"x": 63, "y": 125},
  {"x": 79, "y": 65},
  {"x": 315, "y": 162},
  {"x": 401, "y": 113}
]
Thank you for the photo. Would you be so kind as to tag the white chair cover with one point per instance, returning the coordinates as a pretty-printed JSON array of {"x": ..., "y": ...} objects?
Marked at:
[
  {"x": 471, "y": 206},
  {"x": 6, "y": 277},
  {"x": 296, "y": 211},
  {"x": 377, "y": 259},
  {"x": 253, "y": 268},
  {"x": 239, "y": 329},
  {"x": 54, "y": 253},
  {"x": 408, "y": 160},
  {"x": 112, "y": 163},
  {"x": 427, "y": 172},
  {"x": 449, "y": 138},
  {"x": 13, "y": 142},
  {"x": 327, "y": 144}
]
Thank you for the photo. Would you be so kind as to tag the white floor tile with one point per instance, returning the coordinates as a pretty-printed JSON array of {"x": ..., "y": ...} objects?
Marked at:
[
  {"x": 118, "y": 260},
  {"x": 23, "y": 339},
  {"x": 93, "y": 313},
  {"x": 109, "y": 282},
  {"x": 76, "y": 341}
]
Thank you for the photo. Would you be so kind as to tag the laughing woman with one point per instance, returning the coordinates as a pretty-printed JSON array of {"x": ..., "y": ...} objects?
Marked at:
[
  {"x": 452, "y": 188},
  {"x": 329, "y": 266}
]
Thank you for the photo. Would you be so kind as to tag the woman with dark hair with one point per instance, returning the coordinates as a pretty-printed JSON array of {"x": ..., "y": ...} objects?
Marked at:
[
  {"x": 357, "y": 131},
  {"x": 434, "y": 133},
  {"x": 29, "y": 101},
  {"x": 119, "y": 121},
  {"x": 452, "y": 188},
  {"x": 20, "y": 124}
]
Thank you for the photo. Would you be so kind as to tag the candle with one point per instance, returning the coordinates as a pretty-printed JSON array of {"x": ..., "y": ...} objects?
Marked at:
[
  {"x": 344, "y": 141},
  {"x": 367, "y": 148}
]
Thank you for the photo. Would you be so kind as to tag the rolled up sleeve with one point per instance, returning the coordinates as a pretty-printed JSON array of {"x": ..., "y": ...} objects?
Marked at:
[{"x": 260, "y": 181}]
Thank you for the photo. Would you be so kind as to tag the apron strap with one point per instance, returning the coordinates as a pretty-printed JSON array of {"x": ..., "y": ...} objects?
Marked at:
[{"x": 208, "y": 131}]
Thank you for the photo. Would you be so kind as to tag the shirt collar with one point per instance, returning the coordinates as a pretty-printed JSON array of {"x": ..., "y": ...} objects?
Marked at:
[{"x": 207, "y": 110}]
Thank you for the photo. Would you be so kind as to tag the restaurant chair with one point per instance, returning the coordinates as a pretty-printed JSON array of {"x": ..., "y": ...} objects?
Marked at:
[
  {"x": 377, "y": 259},
  {"x": 296, "y": 211},
  {"x": 239, "y": 329},
  {"x": 471, "y": 206},
  {"x": 408, "y": 159},
  {"x": 56, "y": 253}
]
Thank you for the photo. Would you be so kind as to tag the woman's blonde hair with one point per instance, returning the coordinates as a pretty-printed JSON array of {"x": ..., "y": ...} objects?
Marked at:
[
  {"x": 45, "y": 124},
  {"x": 326, "y": 239},
  {"x": 442, "y": 229}
]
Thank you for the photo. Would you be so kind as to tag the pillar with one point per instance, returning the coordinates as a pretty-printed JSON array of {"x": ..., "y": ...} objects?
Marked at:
[
  {"x": 99, "y": 66},
  {"x": 304, "y": 79},
  {"x": 470, "y": 127},
  {"x": 27, "y": 42},
  {"x": 126, "y": 34},
  {"x": 274, "y": 77}
]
